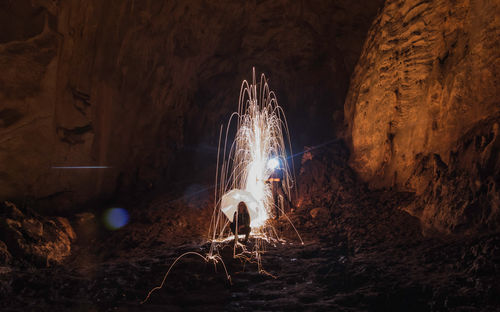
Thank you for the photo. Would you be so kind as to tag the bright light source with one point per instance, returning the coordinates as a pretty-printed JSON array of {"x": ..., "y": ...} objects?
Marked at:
[
  {"x": 242, "y": 171},
  {"x": 259, "y": 147},
  {"x": 273, "y": 163}
]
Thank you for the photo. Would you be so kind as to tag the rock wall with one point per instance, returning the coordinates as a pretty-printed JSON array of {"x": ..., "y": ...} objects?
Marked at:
[
  {"x": 141, "y": 87},
  {"x": 425, "y": 87},
  {"x": 462, "y": 195}
]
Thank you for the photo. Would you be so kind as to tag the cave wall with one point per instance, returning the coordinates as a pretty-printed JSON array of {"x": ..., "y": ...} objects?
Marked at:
[
  {"x": 142, "y": 86},
  {"x": 423, "y": 108}
]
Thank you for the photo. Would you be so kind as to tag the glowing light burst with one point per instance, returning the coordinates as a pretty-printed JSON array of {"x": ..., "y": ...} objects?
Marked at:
[
  {"x": 244, "y": 166},
  {"x": 259, "y": 147},
  {"x": 273, "y": 163}
]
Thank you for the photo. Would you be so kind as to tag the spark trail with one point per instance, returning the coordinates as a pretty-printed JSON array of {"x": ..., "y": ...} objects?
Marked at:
[{"x": 261, "y": 136}]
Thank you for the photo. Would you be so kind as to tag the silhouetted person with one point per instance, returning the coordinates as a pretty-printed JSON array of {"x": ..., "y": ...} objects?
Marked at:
[
  {"x": 276, "y": 181},
  {"x": 241, "y": 221}
]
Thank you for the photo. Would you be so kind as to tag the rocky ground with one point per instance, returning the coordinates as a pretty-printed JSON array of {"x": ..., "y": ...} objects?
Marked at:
[{"x": 361, "y": 252}]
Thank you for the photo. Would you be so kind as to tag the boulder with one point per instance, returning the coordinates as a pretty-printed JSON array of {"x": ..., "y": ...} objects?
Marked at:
[{"x": 34, "y": 238}]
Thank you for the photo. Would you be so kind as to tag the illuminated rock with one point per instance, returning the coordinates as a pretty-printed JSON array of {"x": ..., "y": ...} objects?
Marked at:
[
  {"x": 427, "y": 77},
  {"x": 34, "y": 238}
]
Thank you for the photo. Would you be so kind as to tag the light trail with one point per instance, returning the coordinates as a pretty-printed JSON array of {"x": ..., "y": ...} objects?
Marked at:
[
  {"x": 80, "y": 167},
  {"x": 260, "y": 146},
  {"x": 261, "y": 135},
  {"x": 314, "y": 147},
  {"x": 207, "y": 258}
]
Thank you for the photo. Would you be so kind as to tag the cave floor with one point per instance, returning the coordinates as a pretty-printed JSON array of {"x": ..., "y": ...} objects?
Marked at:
[
  {"x": 361, "y": 252},
  {"x": 333, "y": 270}
]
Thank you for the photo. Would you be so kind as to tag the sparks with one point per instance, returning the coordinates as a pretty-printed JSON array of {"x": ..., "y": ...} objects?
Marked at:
[
  {"x": 243, "y": 167},
  {"x": 259, "y": 148}
]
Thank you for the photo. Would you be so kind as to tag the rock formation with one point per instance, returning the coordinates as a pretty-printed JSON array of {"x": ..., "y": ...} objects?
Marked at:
[
  {"x": 138, "y": 90},
  {"x": 32, "y": 238},
  {"x": 424, "y": 95}
]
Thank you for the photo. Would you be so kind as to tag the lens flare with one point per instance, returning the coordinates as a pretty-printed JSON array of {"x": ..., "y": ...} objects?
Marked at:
[{"x": 116, "y": 218}]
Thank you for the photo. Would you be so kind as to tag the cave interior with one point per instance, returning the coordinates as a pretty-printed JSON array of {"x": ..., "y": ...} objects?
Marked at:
[{"x": 110, "y": 121}]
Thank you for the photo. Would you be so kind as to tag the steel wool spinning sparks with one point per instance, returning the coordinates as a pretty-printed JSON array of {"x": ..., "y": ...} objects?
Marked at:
[
  {"x": 243, "y": 172},
  {"x": 258, "y": 149},
  {"x": 245, "y": 168}
]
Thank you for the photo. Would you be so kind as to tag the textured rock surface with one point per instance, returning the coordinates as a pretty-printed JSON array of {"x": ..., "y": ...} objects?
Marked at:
[
  {"x": 29, "y": 237},
  {"x": 5, "y": 255},
  {"x": 464, "y": 194},
  {"x": 427, "y": 77},
  {"x": 142, "y": 86}
]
